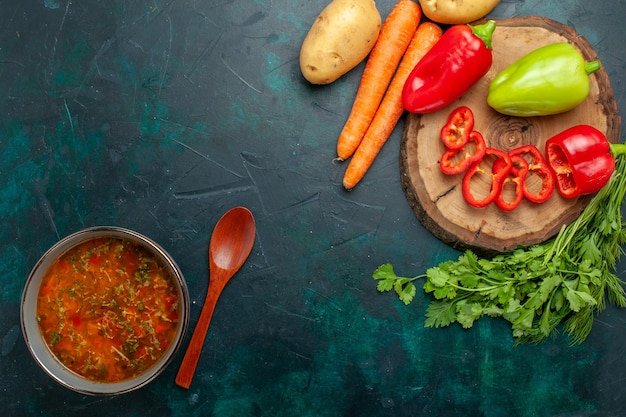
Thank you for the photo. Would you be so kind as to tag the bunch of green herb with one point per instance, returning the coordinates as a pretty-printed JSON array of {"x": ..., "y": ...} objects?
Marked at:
[{"x": 567, "y": 279}]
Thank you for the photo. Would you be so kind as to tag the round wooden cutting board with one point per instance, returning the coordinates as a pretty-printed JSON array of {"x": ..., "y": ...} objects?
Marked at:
[{"x": 436, "y": 198}]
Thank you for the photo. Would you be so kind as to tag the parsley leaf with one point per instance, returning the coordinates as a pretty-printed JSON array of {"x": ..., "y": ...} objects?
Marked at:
[
  {"x": 579, "y": 299},
  {"x": 440, "y": 314},
  {"x": 405, "y": 290},
  {"x": 388, "y": 280},
  {"x": 467, "y": 313}
]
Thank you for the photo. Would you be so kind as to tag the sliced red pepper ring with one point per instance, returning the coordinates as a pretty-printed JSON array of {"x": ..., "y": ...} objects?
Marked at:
[
  {"x": 498, "y": 173},
  {"x": 456, "y": 161},
  {"x": 581, "y": 160},
  {"x": 517, "y": 177},
  {"x": 538, "y": 166},
  {"x": 456, "y": 132}
]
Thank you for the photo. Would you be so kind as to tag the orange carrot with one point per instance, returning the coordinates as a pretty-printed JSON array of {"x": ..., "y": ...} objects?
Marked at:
[
  {"x": 391, "y": 108},
  {"x": 393, "y": 40}
]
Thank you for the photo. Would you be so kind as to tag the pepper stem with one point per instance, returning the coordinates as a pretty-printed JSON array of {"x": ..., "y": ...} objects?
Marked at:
[
  {"x": 618, "y": 149},
  {"x": 592, "y": 66},
  {"x": 484, "y": 32}
]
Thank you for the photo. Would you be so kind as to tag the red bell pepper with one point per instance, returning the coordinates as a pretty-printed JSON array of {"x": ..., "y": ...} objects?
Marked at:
[
  {"x": 517, "y": 176},
  {"x": 456, "y": 161},
  {"x": 498, "y": 173},
  {"x": 537, "y": 165},
  {"x": 581, "y": 160},
  {"x": 455, "y": 133},
  {"x": 451, "y": 67}
]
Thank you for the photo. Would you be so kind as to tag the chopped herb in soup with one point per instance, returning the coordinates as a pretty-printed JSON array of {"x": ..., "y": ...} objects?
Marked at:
[{"x": 108, "y": 309}]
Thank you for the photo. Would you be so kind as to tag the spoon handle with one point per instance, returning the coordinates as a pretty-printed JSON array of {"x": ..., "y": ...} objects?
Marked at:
[{"x": 190, "y": 360}]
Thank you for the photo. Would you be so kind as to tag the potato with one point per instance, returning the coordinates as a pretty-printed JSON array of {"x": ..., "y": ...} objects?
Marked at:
[
  {"x": 454, "y": 12},
  {"x": 339, "y": 39}
]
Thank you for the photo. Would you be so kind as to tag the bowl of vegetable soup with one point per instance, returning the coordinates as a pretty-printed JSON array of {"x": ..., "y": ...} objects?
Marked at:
[{"x": 104, "y": 310}]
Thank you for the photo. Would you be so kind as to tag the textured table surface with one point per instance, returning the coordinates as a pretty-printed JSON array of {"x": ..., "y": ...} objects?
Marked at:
[{"x": 159, "y": 116}]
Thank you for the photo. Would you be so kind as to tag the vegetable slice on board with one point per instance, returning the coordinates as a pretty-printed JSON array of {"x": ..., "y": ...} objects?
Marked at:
[
  {"x": 498, "y": 173},
  {"x": 517, "y": 177},
  {"x": 457, "y": 161},
  {"x": 538, "y": 166},
  {"x": 455, "y": 133}
]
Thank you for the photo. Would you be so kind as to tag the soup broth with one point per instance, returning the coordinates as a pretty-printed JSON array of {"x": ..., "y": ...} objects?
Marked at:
[{"x": 108, "y": 309}]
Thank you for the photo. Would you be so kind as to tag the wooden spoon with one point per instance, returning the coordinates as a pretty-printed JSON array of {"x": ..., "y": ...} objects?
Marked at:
[{"x": 231, "y": 243}]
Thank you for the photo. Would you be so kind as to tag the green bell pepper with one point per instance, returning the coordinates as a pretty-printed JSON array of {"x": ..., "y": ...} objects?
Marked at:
[{"x": 550, "y": 80}]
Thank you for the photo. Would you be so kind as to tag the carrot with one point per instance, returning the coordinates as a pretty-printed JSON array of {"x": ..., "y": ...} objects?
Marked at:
[
  {"x": 391, "y": 108},
  {"x": 392, "y": 42}
]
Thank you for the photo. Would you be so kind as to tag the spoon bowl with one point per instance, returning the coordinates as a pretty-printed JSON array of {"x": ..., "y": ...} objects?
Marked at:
[
  {"x": 232, "y": 240},
  {"x": 231, "y": 243}
]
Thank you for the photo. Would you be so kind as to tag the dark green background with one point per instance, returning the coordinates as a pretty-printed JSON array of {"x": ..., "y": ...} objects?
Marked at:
[{"x": 161, "y": 115}]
